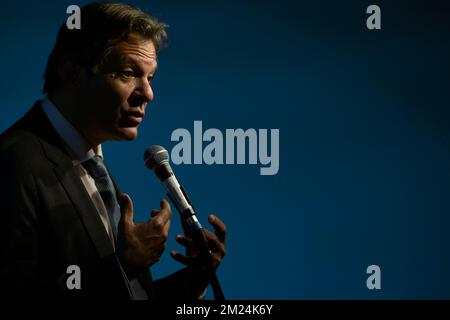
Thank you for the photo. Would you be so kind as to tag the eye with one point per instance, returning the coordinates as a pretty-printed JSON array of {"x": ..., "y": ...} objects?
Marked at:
[
  {"x": 126, "y": 74},
  {"x": 149, "y": 79}
]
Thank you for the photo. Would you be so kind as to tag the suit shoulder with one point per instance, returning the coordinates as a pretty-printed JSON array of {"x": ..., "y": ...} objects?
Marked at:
[
  {"x": 22, "y": 137},
  {"x": 20, "y": 153},
  {"x": 18, "y": 143}
]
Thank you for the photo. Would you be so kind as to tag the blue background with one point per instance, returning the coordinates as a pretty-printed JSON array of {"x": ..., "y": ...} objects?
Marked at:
[{"x": 364, "y": 137}]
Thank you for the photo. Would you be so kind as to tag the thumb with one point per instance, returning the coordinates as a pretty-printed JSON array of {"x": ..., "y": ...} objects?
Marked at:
[{"x": 126, "y": 209}]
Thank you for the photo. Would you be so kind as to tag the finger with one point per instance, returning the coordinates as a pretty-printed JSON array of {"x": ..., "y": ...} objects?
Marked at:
[
  {"x": 185, "y": 241},
  {"x": 188, "y": 243},
  {"x": 161, "y": 217},
  {"x": 219, "y": 227},
  {"x": 214, "y": 242},
  {"x": 188, "y": 261},
  {"x": 154, "y": 213},
  {"x": 166, "y": 228},
  {"x": 164, "y": 204},
  {"x": 166, "y": 212},
  {"x": 126, "y": 209}
]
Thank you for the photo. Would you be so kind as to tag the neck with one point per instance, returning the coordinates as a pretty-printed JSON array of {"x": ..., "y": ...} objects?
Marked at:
[{"x": 70, "y": 109}]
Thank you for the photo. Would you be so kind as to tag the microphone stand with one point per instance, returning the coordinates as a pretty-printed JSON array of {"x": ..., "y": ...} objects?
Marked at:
[{"x": 200, "y": 240}]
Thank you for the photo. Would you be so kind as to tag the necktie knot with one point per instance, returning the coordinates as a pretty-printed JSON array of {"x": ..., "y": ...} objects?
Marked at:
[{"x": 96, "y": 167}]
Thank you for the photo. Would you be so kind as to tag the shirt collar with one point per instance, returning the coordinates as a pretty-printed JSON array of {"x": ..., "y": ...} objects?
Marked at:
[{"x": 70, "y": 135}]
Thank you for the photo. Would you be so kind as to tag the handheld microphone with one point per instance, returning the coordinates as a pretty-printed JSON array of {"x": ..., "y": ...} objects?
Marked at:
[{"x": 156, "y": 158}]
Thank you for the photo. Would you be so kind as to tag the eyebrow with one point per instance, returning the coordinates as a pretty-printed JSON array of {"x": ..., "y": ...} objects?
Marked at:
[{"x": 138, "y": 63}]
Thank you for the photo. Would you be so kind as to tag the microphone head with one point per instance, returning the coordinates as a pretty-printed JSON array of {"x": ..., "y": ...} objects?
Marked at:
[{"x": 155, "y": 156}]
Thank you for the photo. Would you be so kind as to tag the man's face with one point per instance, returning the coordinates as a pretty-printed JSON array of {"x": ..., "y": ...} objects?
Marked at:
[{"x": 117, "y": 96}]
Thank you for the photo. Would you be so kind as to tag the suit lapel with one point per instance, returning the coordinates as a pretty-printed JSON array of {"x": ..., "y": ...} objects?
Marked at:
[
  {"x": 82, "y": 202},
  {"x": 70, "y": 180}
]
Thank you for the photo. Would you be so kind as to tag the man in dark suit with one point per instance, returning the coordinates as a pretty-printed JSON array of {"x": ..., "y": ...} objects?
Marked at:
[{"x": 60, "y": 205}]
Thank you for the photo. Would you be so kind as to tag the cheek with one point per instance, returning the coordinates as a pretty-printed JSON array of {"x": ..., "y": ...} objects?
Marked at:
[
  {"x": 117, "y": 91},
  {"x": 114, "y": 99}
]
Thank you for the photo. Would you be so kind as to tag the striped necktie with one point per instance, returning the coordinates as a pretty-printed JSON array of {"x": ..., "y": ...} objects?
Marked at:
[{"x": 98, "y": 171}]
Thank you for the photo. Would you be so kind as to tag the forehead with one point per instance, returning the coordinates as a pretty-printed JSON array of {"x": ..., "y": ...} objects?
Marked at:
[{"x": 136, "y": 51}]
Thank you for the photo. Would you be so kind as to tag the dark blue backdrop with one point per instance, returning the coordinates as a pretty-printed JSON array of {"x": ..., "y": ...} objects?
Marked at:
[{"x": 364, "y": 136}]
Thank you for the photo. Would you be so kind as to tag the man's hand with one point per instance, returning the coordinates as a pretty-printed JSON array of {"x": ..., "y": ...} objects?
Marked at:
[
  {"x": 216, "y": 242},
  {"x": 142, "y": 244}
]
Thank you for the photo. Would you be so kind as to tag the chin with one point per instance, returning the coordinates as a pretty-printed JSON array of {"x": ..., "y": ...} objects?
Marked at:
[{"x": 128, "y": 134}]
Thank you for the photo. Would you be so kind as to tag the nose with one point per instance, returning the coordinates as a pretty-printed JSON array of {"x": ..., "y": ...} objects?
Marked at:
[{"x": 144, "y": 90}]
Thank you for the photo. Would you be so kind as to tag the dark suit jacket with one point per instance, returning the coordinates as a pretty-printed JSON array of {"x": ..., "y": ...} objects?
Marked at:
[{"x": 48, "y": 222}]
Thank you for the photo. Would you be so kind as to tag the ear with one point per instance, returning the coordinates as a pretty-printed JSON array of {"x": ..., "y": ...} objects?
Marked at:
[{"x": 70, "y": 73}]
